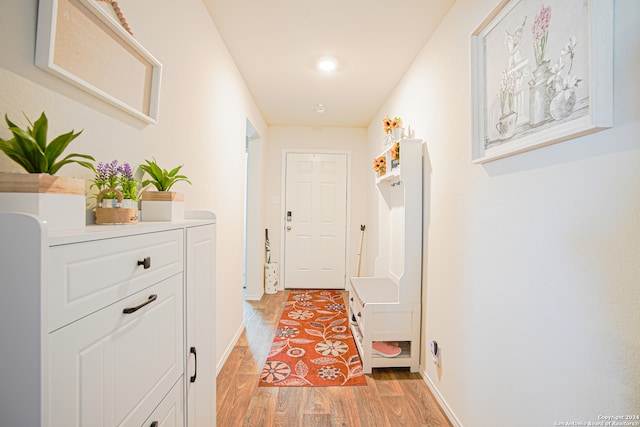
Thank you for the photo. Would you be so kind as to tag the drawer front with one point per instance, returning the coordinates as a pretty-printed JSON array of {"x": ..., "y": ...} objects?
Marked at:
[
  {"x": 112, "y": 368},
  {"x": 392, "y": 322},
  {"x": 170, "y": 412},
  {"x": 88, "y": 276}
]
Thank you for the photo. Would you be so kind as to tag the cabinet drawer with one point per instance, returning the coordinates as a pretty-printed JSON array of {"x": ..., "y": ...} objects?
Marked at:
[
  {"x": 170, "y": 412},
  {"x": 88, "y": 276},
  {"x": 392, "y": 322},
  {"x": 112, "y": 368}
]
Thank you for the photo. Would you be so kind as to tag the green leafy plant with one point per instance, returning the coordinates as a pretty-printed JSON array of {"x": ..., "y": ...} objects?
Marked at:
[
  {"x": 162, "y": 179},
  {"x": 29, "y": 147}
]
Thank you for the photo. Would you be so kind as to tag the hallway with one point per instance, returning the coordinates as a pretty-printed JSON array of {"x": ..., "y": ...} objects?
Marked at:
[{"x": 392, "y": 397}]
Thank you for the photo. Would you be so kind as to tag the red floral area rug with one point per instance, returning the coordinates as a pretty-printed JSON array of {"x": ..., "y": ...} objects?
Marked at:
[{"x": 313, "y": 345}]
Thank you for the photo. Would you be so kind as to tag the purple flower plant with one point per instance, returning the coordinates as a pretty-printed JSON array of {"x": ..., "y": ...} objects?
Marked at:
[
  {"x": 106, "y": 175},
  {"x": 125, "y": 171},
  {"x": 541, "y": 33},
  {"x": 128, "y": 184},
  {"x": 119, "y": 177}
]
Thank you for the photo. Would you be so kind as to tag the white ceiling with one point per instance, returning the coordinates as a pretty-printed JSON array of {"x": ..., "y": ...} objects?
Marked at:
[{"x": 276, "y": 44}]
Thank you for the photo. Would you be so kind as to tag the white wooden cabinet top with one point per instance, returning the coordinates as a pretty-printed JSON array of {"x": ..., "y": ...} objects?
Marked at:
[
  {"x": 97, "y": 232},
  {"x": 372, "y": 290}
]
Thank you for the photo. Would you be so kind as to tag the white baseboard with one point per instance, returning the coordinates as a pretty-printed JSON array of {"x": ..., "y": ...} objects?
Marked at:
[
  {"x": 443, "y": 403},
  {"x": 229, "y": 349},
  {"x": 253, "y": 297}
]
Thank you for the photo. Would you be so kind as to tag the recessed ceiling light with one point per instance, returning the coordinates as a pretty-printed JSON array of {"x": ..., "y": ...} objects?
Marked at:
[
  {"x": 320, "y": 109},
  {"x": 327, "y": 65}
]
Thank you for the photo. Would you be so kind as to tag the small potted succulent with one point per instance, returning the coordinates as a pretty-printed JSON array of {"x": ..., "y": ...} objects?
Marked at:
[
  {"x": 59, "y": 200},
  {"x": 163, "y": 204}
]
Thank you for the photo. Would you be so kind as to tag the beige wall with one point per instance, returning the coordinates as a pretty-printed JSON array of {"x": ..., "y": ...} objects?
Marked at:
[
  {"x": 531, "y": 271},
  {"x": 353, "y": 140},
  {"x": 204, "y": 105}
]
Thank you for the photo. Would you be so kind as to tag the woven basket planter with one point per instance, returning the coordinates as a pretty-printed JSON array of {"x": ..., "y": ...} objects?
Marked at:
[{"x": 117, "y": 215}]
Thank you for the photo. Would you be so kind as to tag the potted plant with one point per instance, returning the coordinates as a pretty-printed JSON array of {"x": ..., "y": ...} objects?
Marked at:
[
  {"x": 393, "y": 129},
  {"x": 111, "y": 176},
  {"x": 117, "y": 198},
  {"x": 162, "y": 205},
  {"x": 57, "y": 199},
  {"x": 563, "y": 88}
]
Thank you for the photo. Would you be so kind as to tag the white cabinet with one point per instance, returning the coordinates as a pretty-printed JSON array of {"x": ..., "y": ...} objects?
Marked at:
[
  {"x": 97, "y": 325},
  {"x": 387, "y": 306},
  {"x": 201, "y": 373}
]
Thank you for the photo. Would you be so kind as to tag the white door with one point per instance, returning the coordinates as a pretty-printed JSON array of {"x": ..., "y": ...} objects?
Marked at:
[{"x": 315, "y": 221}]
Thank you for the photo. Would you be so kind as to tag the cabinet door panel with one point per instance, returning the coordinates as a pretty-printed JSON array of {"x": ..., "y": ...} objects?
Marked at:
[
  {"x": 200, "y": 279},
  {"x": 111, "y": 368},
  {"x": 88, "y": 276}
]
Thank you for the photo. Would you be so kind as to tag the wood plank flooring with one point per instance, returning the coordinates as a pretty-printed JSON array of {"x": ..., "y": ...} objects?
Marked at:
[{"x": 392, "y": 397}]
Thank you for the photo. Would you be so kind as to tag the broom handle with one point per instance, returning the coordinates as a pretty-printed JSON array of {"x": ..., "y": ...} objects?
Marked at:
[{"x": 362, "y": 227}]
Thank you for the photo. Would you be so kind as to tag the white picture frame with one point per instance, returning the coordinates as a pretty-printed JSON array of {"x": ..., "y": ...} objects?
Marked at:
[
  {"x": 82, "y": 43},
  {"x": 540, "y": 76}
]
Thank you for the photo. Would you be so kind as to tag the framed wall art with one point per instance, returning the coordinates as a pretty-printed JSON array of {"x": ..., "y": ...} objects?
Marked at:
[
  {"x": 542, "y": 72},
  {"x": 83, "y": 44}
]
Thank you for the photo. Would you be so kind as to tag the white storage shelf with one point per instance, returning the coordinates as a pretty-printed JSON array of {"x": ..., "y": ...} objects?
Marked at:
[
  {"x": 379, "y": 316},
  {"x": 387, "y": 307}
]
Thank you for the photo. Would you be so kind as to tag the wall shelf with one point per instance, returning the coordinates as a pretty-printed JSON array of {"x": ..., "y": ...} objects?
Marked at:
[{"x": 393, "y": 167}]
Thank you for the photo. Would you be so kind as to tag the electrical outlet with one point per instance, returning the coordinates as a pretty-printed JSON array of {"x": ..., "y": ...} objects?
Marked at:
[{"x": 435, "y": 352}]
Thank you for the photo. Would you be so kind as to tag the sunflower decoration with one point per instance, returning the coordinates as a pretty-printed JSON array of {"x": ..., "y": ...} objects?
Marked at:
[
  {"x": 395, "y": 151},
  {"x": 389, "y": 124},
  {"x": 386, "y": 124},
  {"x": 380, "y": 165}
]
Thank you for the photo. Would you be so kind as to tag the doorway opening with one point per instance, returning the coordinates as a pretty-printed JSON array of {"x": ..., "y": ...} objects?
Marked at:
[{"x": 253, "y": 233}]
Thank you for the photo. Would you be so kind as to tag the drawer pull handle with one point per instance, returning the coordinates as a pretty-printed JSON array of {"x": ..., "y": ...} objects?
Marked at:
[
  {"x": 130, "y": 310},
  {"x": 195, "y": 372},
  {"x": 154, "y": 424},
  {"x": 146, "y": 262}
]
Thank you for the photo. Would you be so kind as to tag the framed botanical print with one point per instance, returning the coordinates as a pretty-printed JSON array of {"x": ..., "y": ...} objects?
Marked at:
[{"x": 542, "y": 72}]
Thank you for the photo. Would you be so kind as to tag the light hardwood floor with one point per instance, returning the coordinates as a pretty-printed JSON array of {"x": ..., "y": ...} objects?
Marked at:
[{"x": 392, "y": 397}]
